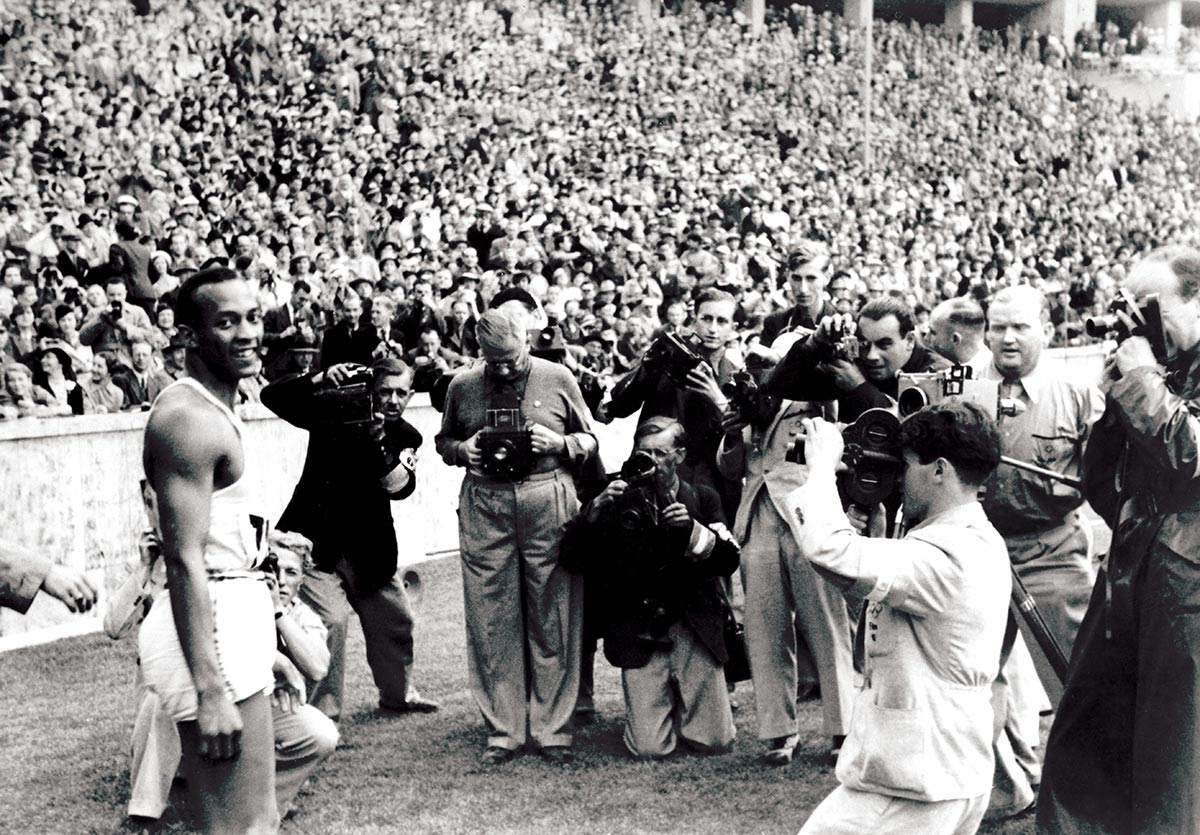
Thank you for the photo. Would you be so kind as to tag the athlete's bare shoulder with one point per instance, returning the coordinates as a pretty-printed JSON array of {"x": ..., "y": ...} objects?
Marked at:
[{"x": 187, "y": 433}]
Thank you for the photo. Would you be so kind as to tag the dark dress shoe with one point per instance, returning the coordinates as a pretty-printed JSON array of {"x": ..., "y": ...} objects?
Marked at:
[{"x": 415, "y": 703}]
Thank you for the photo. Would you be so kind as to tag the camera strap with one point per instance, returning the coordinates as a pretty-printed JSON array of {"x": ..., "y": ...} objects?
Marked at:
[{"x": 495, "y": 391}]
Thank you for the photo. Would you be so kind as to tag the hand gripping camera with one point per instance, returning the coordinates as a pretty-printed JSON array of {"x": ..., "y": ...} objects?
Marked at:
[
  {"x": 917, "y": 391},
  {"x": 638, "y": 508},
  {"x": 871, "y": 455},
  {"x": 674, "y": 356},
  {"x": 844, "y": 346},
  {"x": 742, "y": 393},
  {"x": 350, "y": 404},
  {"x": 1126, "y": 318},
  {"x": 506, "y": 445}
]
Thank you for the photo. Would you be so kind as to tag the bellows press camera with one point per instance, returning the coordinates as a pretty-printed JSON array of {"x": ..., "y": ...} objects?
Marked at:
[
  {"x": 674, "y": 356},
  {"x": 506, "y": 445}
]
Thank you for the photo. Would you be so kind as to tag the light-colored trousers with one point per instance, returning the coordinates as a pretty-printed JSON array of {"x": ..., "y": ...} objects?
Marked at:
[
  {"x": 679, "y": 694},
  {"x": 851, "y": 812},
  {"x": 303, "y": 740},
  {"x": 783, "y": 590},
  {"x": 524, "y": 612}
]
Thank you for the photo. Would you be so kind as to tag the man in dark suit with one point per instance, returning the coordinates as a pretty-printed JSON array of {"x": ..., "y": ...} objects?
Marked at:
[
  {"x": 806, "y": 272},
  {"x": 659, "y": 605},
  {"x": 342, "y": 503},
  {"x": 279, "y": 323},
  {"x": 70, "y": 260},
  {"x": 347, "y": 341}
]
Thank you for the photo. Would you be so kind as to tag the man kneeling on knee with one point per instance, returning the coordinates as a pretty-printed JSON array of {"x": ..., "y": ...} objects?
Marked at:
[{"x": 655, "y": 546}]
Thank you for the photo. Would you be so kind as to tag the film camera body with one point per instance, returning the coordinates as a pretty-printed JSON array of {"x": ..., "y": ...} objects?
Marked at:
[
  {"x": 955, "y": 383},
  {"x": 637, "y": 510},
  {"x": 674, "y": 356},
  {"x": 1126, "y": 318},
  {"x": 844, "y": 345},
  {"x": 350, "y": 404},
  {"x": 506, "y": 445}
]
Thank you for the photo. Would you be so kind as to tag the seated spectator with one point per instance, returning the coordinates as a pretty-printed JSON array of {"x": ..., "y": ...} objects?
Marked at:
[
  {"x": 142, "y": 381},
  {"x": 22, "y": 331},
  {"x": 115, "y": 327},
  {"x": 17, "y": 399},
  {"x": 106, "y": 396},
  {"x": 54, "y": 384}
]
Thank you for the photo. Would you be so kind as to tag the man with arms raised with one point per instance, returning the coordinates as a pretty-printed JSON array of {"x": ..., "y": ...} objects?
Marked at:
[
  {"x": 918, "y": 757},
  {"x": 1124, "y": 751},
  {"x": 207, "y": 649}
]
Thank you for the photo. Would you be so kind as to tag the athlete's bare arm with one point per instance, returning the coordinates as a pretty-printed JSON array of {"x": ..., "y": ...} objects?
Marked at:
[{"x": 190, "y": 451}]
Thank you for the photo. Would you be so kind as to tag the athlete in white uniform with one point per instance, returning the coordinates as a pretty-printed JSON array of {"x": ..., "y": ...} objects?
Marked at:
[{"x": 207, "y": 649}]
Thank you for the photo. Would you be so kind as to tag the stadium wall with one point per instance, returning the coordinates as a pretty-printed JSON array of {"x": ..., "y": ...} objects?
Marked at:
[{"x": 71, "y": 493}]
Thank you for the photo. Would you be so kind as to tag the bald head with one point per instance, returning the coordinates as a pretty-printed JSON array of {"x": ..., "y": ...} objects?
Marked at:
[
  {"x": 1018, "y": 329},
  {"x": 956, "y": 329}
]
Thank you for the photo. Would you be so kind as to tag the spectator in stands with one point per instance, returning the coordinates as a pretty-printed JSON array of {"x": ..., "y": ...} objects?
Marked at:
[
  {"x": 142, "y": 381},
  {"x": 54, "y": 384},
  {"x": 106, "y": 396},
  {"x": 116, "y": 326}
]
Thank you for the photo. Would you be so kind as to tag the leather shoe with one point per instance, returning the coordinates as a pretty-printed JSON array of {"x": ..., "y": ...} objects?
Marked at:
[
  {"x": 495, "y": 755},
  {"x": 780, "y": 750},
  {"x": 415, "y": 703},
  {"x": 560, "y": 754}
]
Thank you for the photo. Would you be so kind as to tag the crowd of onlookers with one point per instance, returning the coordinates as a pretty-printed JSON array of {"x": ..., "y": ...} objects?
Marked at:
[{"x": 398, "y": 166}]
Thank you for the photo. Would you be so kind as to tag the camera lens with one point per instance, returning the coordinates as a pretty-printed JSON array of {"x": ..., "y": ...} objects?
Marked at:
[{"x": 911, "y": 400}]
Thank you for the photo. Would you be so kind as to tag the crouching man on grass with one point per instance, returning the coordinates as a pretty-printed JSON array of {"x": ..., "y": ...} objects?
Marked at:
[
  {"x": 918, "y": 757},
  {"x": 655, "y": 546}
]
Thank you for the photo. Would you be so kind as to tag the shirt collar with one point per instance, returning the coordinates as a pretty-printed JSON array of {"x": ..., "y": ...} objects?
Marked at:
[{"x": 1032, "y": 383}]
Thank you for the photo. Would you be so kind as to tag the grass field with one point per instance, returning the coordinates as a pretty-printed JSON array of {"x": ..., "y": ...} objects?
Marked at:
[{"x": 67, "y": 711}]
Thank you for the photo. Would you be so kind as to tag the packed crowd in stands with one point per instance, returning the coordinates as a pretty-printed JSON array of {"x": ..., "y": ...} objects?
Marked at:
[{"x": 402, "y": 165}]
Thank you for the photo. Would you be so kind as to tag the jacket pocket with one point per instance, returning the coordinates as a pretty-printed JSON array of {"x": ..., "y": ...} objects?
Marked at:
[{"x": 895, "y": 745}]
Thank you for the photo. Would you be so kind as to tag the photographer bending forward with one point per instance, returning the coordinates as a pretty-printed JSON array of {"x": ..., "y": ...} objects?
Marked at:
[
  {"x": 524, "y": 612},
  {"x": 654, "y": 545},
  {"x": 918, "y": 757}
]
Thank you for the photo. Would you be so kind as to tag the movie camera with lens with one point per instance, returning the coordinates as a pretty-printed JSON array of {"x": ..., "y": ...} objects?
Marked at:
[
  {"x": 871, "y": 455},
  {"x": 674, "y": 356},
  {"x": 916, "y": 391},
  {"x": 506, "y": 445},
  {"x": 1126, "y": 318},
  {"x": 741, "y": 390}
]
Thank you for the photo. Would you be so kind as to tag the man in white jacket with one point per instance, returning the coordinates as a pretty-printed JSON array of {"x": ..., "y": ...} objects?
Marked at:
[{"x": 918, "y": 756}]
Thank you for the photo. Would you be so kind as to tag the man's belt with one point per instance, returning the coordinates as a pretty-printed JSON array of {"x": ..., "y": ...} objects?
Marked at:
[{"x": 496, "y": 481}]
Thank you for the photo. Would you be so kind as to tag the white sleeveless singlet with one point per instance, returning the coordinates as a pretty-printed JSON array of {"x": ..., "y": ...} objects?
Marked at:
[{"x": 242, "y": 611}]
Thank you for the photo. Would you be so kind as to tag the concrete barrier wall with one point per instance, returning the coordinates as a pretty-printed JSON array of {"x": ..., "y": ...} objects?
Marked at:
[{"x": 69, "y": 490}]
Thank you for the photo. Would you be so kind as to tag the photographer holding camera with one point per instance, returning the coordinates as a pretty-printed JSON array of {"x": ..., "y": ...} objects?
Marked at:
[
  {"x": 695, "y": 399},
  {"x": 856, "y": 364},
  {"x": 783, "y": 592},
  {"x": 918, "y": 756},
  {"x": 651, "y": 547},
  {"x": 361, "y": 457},
  {"x": 519, "y": 425},
  {"x": 1123, "y": 755}
]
